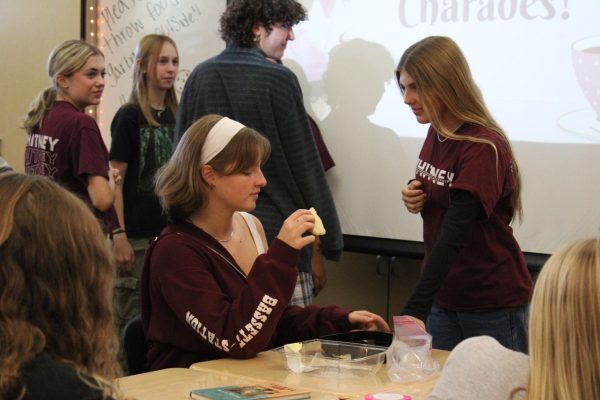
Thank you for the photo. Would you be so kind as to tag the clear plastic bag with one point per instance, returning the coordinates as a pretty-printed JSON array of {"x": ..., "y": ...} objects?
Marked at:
[{"x": 409, "y": 355}]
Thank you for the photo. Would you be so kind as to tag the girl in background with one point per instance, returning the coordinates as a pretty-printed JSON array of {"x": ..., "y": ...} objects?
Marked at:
[
  {"x": 64, "y": 143},
  {"x": 57, "y": 337},
  {"x": 142, "y": 141},
  {"x": 467, "y": 189}
]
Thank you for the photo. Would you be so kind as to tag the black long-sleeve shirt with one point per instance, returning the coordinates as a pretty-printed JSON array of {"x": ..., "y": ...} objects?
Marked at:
[{"x": 458, "y": 223}]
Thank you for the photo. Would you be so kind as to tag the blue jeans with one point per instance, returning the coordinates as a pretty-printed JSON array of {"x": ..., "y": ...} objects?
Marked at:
[{"x": 508, "y": 326}]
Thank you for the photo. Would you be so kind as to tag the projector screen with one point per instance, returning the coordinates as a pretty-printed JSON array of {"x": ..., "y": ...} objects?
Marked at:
[{"x": 537, "y": 63}]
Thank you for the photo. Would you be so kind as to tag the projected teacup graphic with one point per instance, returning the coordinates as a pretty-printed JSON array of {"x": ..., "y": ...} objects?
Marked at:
[
  {"x": 585, "y": 54},
  {"x": 586, "y": 61}
]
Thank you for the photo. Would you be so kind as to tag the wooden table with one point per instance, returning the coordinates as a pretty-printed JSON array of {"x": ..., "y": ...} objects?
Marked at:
[
  {"x": 176, "y": 383},
  {"x": 269, "y": 367}
]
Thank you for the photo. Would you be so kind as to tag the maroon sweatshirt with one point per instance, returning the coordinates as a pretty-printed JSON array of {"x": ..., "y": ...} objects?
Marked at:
[{"x": 198, "y": 305}]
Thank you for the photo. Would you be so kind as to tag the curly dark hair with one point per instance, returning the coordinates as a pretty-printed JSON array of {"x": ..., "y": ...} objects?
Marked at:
[{"x": 241, "y": 15}]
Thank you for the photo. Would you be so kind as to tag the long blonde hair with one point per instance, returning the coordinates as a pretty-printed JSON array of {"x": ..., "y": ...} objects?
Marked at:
[
  {"x": 66, "y": 59},
  {"x": 147, "y": 53},
  {"x": 55, "y": 285},
  {"x": 442, "y": 74},
  {"x": 179, "y": 183},
  {"x": 564, "y": 325}
]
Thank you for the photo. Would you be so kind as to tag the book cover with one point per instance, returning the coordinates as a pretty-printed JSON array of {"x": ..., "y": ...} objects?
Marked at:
[{"x": 250, "y": 392}]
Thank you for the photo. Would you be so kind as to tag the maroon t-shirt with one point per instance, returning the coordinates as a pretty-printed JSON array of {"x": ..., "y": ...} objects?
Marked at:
[
  {"x": 67, "y": 148},
  {"x": 490, "y": 271}
]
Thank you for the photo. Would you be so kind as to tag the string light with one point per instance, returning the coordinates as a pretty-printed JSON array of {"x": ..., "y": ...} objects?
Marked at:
[
  {"x": 91, "y": 36},
  {"x": 91, "y": 18}
]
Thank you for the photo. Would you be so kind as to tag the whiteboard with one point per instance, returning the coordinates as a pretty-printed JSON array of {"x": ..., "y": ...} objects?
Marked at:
[{"x": 192, "y": 24}]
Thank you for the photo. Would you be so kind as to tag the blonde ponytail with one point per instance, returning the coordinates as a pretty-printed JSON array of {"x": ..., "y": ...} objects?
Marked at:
[{"x": 37, "y": 109}]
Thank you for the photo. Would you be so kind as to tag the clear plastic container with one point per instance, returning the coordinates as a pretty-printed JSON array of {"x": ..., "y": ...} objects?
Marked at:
[{"x": 333, "y": 359}]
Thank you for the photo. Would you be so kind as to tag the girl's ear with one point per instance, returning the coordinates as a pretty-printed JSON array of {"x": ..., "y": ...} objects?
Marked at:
[
  {"x": 62, "y": 81},
  {"x": 138, "y": 63},
  {"x": 209, "y": 175}
]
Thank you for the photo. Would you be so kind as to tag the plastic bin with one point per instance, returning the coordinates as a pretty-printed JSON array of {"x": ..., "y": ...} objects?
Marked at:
[{"x": 333, "y": 359}]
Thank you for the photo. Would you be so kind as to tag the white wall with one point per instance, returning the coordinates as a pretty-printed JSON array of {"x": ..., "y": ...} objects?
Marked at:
[{"x": 29, "y": 31}]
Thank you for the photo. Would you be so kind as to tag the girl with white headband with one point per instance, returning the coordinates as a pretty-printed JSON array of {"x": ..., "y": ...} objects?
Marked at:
[{"x": 211, "y": 288}]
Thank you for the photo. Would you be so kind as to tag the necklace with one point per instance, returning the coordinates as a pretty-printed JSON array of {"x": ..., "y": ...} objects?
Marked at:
[
  {"x": 438, "y": 137},
  {"x": 446, "y": 137},
  {"x": 229, "y": 238},
  {"x": 220, "y": 240}
]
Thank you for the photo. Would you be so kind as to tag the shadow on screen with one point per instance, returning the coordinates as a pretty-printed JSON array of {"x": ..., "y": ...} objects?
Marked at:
[{"x": 369, "y": 156}]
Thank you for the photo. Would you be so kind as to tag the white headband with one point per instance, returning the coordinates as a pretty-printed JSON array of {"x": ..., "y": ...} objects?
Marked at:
[{"x": 218, "y": 137}]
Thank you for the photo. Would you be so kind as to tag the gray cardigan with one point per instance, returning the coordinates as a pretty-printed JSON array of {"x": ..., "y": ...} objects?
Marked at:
[
  {"x": 481, "y": 368},
  {"x": 242, "y": 84}
]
